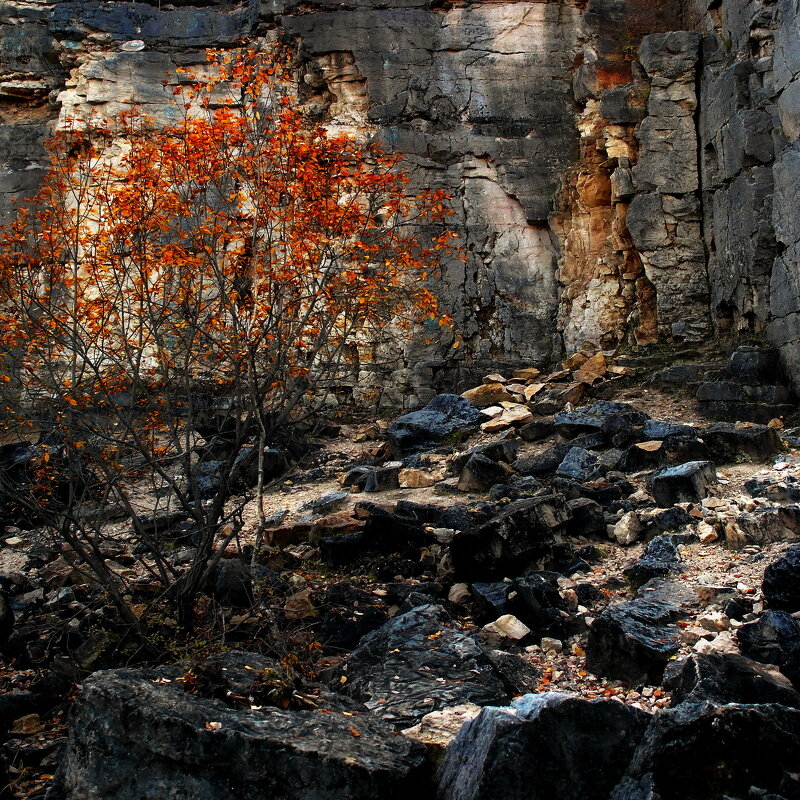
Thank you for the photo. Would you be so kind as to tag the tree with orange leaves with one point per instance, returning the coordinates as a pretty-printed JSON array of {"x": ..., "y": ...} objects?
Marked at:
[{"x": 166, "y": 310}]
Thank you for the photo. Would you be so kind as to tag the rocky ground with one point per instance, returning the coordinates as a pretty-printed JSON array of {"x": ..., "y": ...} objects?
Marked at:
[{"x": 571, "y": 584}]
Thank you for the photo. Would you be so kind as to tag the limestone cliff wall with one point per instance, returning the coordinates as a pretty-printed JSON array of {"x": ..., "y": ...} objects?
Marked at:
[
  {"x": 620, "y": 172},
  {"x": 749, "y": 134}
]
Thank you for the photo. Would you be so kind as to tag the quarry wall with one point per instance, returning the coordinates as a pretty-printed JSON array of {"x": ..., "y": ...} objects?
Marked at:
[{"x": 621, "y": 173}]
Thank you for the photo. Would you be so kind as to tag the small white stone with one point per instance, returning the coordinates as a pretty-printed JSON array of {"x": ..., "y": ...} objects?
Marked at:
[
  {"x": 459, "y": 593},
  {"x": 721, "y": 644},
  {"x": 628, "y": 529},
  {"x": 549, "y": 644},
  {"x": 715, "y": 622},
  {"x": 692, "y": 635},
  {"x": 504, "y": 628},
  {"x": 570, "y": 598},
  {"x": 707, "y": 533}
]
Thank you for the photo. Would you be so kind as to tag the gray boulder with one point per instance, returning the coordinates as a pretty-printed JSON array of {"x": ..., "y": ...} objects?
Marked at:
[
  {"x": 137, "y": 734},
  {"x": 633, "y": 641},
  {"x": 660, "y": 558},
  {"x": 704, "y": 750},
  {"x": 684, "y": 483},
  {"x": 543, "y": 746},
  {"x": 444, "y": 416},
  {"x": 782, "y": 581},
  {"x": 522, "y": 536}
]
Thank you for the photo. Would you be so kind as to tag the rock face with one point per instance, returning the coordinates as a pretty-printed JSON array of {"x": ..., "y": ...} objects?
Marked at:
[
  {"x": 137, "y": 734},
  {"x": 620, "y": 173},
  {"x": 543, "y": 746},
  {"x": 664, "y": 217}
]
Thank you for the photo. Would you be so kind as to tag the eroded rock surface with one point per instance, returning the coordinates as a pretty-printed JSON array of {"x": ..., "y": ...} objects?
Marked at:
[{"x": 139, "y": 734}]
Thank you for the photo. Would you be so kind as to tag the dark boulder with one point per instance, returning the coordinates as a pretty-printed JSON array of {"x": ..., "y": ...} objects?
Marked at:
[
  {"x": 727, "y": 678},
  {"x": 6, "y": 619},
  {"x": 356, "y": 476},
  {"x": 685, "y": 483},
  {"x": 545, "y": 463},
  {"x": 751, "y": 390},
  {"x": 416, "y": 600},
  {"x": 499, "y": 450},
  {"x": 727, "y": 442},
  {"x": 680, "y": 449},
  {"x": 233, "y": 583},
  {"x": 738, "y": 607},
  {"x": 719, "y": 394},
  {"x": 388, "y": 532},
  {"x": 460, "y": 518},
  {"x": 480, "y": 473},
  {"x": 417, "y": 663},
  {"x": 588, "y": 518},
  {"x": 389, "y": 568},
  {"x": 538, "y": 429},
  {"x": 606, "y": 490},
  {"x": 342, "y": 548},
  {"x": 661, "y": 429},
  {"x": 383, "y": 479},
  {"x": 42, "y": 695},
  {"x": 659, "y": 559},
  {"x": 590, "y": 441},
  {"x": 137, "y": 734},
  {"x": 643, "y": 456},
  {"x": 670, "y": 519},
  {"x": 491, "y": 600},
  {"x": 682, "y": 375},
  {"x": 444, "y": 416},
  {"x": 515, "y": 488},
  {"x": 588, "y": 593},
  {"x": 624, "y": 104},
  {"x": 743, "y": 411},
  {"x": 208, "y": 477},
  {"x": 520, "y": 537},
  {"x": 348, "y": 615},
  {"x": 538, "y": 603},
  {"x": 633, "y": 641},
  {"x": 425, "y": 513},
  {"x": 244, "y": 474},
  {"x": 753, "y": 365},
  {"x": 544, "y": 746},
  {"x": 159, "y": 524},
  {"x": 662, "y": 590},
  {"x": 783, "y": 488},
  {"x": 16, "y": 471},
  {"x": 771, "y": 638},
  {"x": 604, "y": 416},
  {"x": 781, "y": 584},
  {"x": 518, "y": 676},
  {"x": 706, "y": 751},
  {"x": 581, "y": 465}
]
